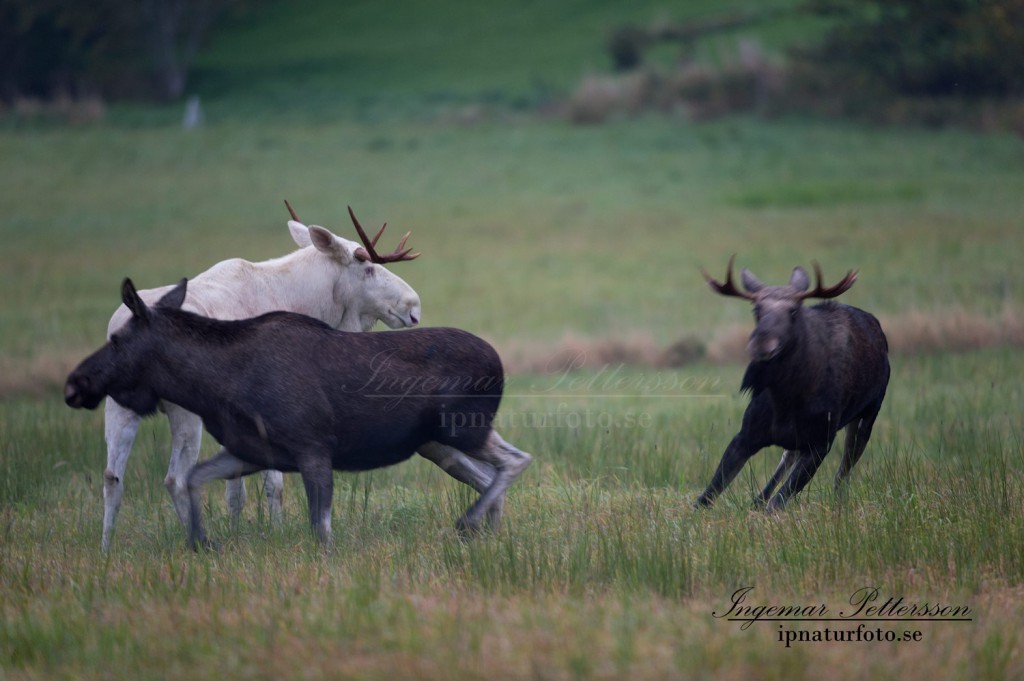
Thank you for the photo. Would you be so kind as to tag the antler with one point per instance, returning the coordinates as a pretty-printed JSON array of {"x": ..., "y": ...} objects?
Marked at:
[
  {"x": 729, "y": 287},
  {"x": 395, "y": 256},
  {"x": 369, "y": 253},
  {"x": 832, "y": 291},
  {"x": 292, "y": 211}
]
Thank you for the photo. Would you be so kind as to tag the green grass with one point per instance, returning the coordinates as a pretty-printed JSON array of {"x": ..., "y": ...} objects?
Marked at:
[
  {"x": 385, "y": 61},
  {"x": 601, "y": 551},
  {"x": 542, "y": 237}
]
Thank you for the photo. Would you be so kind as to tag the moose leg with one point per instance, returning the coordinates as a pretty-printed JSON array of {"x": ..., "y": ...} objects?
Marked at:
[
  {"x": 222, "y": 465},
  {"x": 273, "y": 488},
  {"x": 736, "y": 455},
  {"x": 235, "y": 496},
  {"x": 120, "y": 426},
  {"x": 318, "y": 478},
  {"x": 780, "y": 472},
  {"x": 858, "y": 432},
  {"x": 477, "y": 474},
  {"x": 806, "y": 466},
  {"x": 186, "y": 438},
  {"x": 508, "y": 463}
]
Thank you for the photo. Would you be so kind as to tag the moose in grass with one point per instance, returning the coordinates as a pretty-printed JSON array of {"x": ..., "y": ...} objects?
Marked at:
[
  {"x": 812, "y": 372},
  {"x": 287, "y": 392},
  {"x": 340, "y": 282}
]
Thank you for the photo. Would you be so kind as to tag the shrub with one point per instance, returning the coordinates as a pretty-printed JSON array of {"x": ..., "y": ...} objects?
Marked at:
[{"x": 935, "y": 48}]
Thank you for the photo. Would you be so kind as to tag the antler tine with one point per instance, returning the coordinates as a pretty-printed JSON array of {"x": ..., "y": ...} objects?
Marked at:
[
  {"x": 292, "y": 211},
  {"x": 395, "y": 256},
  {"x": 379, "y": 232},
  {"x": 832, "y": 291},
  {"x": 362, "y": 235},
  {"x": 729, "y": 287}
]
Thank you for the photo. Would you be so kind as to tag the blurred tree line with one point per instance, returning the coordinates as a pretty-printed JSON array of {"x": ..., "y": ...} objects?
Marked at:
[
  {"x": 934, "y": 48},
  {"x": 143, "y": 49},
  {"x": 115, "y": 49}
]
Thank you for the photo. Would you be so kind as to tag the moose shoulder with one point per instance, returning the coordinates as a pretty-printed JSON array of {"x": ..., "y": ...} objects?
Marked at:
[
  {"x": 812, "y": 372},
  {"x": 287, "y": 392}
]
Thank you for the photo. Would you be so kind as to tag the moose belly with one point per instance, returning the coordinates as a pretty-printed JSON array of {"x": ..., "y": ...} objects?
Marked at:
[{"x": 811, "y": 433}]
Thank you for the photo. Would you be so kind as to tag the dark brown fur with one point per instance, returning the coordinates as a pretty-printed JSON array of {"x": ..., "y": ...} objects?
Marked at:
[
  {"x": 287, "y": 392},
  {"x": 813, "y": 371}
]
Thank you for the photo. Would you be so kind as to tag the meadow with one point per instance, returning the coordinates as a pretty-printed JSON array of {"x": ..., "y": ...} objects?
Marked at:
[{"x": 577, "y": 252}]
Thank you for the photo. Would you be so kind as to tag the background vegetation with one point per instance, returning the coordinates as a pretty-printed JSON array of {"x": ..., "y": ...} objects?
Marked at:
[{"x": 558, "y": 243}]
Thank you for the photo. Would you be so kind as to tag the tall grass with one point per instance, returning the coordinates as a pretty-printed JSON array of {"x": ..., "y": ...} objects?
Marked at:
[
  {"x": 600, "y": 549},
  {"x": 546, "y": 239}
]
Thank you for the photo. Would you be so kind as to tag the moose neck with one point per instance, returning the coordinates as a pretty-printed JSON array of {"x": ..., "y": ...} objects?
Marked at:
[
  {"x": 188, "y": 367},
  {"x": 794, "y": 374},
  {"x": 303, "y": 282}
]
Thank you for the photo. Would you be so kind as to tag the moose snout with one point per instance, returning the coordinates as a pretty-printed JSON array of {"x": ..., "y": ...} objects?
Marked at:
[
  {"x": 762, "y": 347},
  {"x": 72, "y": 396},
  {"x": 77, "y": 393},
  {"x": 408, "y": 317}
]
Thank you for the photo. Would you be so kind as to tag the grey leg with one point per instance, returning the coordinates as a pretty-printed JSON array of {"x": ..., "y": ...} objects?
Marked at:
[
  {"x": 221, "y": 466},
  {"x": 318, "y": 478},
  {"x": 273, "y": 486},
  {"x": 477, "y": 474},
  {"x": 120, "y": 427},
  {"x": 186, "y": 438},
  {"x": 508, "y": 463}
]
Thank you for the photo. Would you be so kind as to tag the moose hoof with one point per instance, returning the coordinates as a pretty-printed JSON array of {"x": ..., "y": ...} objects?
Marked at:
[
  {"x": 468, "y": 529},
  {"x": 204, "y": 545}
]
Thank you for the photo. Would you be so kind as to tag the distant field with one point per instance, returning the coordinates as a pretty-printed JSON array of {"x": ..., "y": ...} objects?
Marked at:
[
  {"x": 548, "y": 240},
  {"x": 532, "y": 233},
  {"x": 387, "y": 61}
]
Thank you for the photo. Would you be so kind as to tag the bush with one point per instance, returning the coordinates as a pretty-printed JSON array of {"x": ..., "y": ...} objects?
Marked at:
[
  {"x": 935, "y": 48},
  {"x": 112, "y": 48}
]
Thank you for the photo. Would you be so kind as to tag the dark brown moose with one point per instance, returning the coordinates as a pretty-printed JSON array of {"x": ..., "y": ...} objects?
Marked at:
[
  {"x": 812, "y": 372},
  {"x": 287, "y": 392}
]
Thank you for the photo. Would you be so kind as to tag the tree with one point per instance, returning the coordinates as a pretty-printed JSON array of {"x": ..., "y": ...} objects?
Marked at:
[
  {"x": 966, "y": 48},
  {"x": 115, "y": 48}
]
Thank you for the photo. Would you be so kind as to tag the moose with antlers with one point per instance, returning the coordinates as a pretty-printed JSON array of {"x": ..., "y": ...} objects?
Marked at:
[
  {"x": 337, "y": 281},
  {"x": 812, "y": 372}
]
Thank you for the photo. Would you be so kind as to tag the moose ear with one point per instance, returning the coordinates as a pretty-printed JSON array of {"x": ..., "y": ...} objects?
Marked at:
[
  {"x": 174, "y": 298},
  {"x": 799, "y": 279},
  {"x": 300, "y": 233},
  {"x": 325, "y": 242},
  {"x": 750, "y": 282},
  {"x": 131, "y": 299}
]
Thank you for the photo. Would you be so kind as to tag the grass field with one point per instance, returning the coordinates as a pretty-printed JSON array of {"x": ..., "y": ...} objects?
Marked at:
[{"x": 550, "y": 241}]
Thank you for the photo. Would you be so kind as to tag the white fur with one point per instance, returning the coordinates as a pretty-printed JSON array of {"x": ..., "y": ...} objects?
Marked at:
[{"x": 323, "y": 279}]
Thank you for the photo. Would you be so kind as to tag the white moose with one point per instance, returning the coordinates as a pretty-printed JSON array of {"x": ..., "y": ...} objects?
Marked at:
[{"x": 330, "y": 278}]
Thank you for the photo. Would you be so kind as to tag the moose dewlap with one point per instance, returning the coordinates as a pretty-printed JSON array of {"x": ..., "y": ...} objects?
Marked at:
[
  {"x": 812, "y": 372},
  {"x": 287, "y": 392}
]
